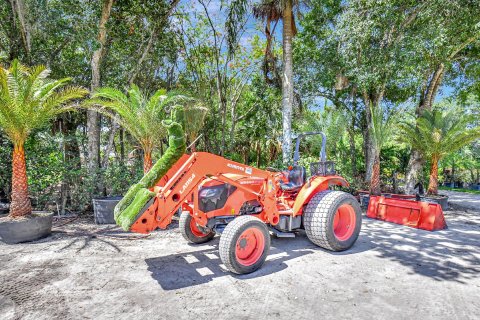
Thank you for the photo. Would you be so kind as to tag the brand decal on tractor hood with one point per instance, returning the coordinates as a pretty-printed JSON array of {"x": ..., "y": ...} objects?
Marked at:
[
  {"x": 185, "y": 186},
  {"x": 237, "y": 167}
]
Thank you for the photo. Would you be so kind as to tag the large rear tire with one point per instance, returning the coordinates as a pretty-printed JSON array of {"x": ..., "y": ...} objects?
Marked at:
[
  {"x": 191, "y": 232},
  {"x": 333, "y": 220},
  {"x": 244, "y": 244}
]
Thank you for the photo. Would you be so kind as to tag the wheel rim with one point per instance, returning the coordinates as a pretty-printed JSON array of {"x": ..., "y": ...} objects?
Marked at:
[
  {"x": 249, "y": 247},
  {"x": 344, "y": 222},
  {"x": 195, "y": 230}
]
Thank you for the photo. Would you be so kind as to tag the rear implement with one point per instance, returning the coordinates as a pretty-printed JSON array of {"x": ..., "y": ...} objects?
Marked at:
[{"x": 415, "y": 214}]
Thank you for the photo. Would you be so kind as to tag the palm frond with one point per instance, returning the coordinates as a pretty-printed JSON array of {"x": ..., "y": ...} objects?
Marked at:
[
  {"x": 29, "y": 100},
  {"x": 139, "y": 115},
  {"x": 437, "y": 133}
]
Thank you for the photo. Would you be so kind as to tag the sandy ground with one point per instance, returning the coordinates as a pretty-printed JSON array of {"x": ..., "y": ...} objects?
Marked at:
[
  {"x": 462, "y": 200},
  {"x": 393, "y": 272}
]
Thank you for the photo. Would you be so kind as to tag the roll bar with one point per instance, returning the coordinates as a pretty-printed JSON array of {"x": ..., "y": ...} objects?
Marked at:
[{"x": 323, "y": 154}]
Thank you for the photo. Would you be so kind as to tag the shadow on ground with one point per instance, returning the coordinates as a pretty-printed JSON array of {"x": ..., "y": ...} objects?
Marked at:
[
  {"x": 447, "y": 255},
  {"x": 198, "y": 267}
]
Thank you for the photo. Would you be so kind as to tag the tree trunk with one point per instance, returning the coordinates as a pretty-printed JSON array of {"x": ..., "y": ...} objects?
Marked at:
[
  {"x": 19, "y": 7},
  {"x": 375, "y": 180},
  {"x": 433, "y": 183},
  {"x": 368, "y": 143},
  {"x": 395, "y": 182},
  {"x": 21, "y": 205},
  {"x": 71, "y": 152},
  {"x": 353, "y": 152},
  {"x": 427, "y": 96},
  {"x": 414, "y": 171},
  {"x": 110, "y": 144},
  {"x": 372, "y": 100},
  {"x": 93, "y": 118},
  {"x": 287, "y": 81},
  {"x": 147, "y": 161}
]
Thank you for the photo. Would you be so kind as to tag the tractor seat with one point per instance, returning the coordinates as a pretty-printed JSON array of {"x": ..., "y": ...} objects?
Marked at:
[{"x": 296, "y": 179}]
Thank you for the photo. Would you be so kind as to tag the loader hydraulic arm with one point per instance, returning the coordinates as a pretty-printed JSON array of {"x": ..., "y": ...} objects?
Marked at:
[{"x": 201, "y": 165}]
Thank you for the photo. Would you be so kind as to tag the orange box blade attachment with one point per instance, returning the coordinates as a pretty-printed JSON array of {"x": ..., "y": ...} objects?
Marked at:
[{"x": 415, "y": 214}]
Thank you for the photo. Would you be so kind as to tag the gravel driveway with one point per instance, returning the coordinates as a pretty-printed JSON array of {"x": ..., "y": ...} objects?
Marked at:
[{"x": 393, "y": 272}]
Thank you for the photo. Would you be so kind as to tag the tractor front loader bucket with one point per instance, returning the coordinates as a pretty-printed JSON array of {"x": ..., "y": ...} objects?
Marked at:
[{"x": 415, "y": 214}]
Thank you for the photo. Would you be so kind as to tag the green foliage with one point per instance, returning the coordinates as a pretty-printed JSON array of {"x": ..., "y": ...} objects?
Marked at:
[
  {"x": 5, "y": 166},
  {"x": 381, "y": 129},
  {"x": 139, "y": 115},
  {"x": 28, "y": 100},
  {"x": 437, "y": 134},
  {"x": 138, "y": 195}
]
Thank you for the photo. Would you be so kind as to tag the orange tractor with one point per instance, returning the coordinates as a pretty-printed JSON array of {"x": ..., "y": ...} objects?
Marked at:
[{"x": 245, "y": 204}]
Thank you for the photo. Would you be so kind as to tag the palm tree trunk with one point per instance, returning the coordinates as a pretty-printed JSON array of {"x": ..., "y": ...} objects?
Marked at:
[
  {"x": 147, "y": 161},
  {"x": 375, "y": 181},
  {"x": 20, "y": 205},
  {"x": 433, "y": 183},
  {"x": 287, "y": 81}
]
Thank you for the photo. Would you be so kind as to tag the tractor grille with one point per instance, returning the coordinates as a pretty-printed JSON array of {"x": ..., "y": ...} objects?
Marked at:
[{"x": 325, "y": 168}]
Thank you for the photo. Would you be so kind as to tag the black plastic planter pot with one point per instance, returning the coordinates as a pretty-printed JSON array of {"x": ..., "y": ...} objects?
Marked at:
[
  {"x": 103, "y": 209},
  {"x": 441, "y": 200},
  {"x": 364, "y": 200},
  {"x": 37, "y": 225}
]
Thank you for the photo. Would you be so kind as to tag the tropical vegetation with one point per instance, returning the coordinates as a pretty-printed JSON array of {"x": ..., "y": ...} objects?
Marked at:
[
  {"x": 139, "y": 115},
  {"x": 29, "y": 101},
  {"x": 436, "y": 134},
  {"x": 259, "y": 71}
]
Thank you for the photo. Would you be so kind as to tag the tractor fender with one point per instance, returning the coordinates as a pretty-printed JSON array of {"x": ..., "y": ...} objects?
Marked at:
[{"x": 312, "y": 187}]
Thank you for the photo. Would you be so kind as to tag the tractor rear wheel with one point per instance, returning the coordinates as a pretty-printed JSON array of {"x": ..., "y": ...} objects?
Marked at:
[
  {"x": 190, "y": 230},
  {"x": 332, "y": 220},
  {"x": 244, "y": 244}
]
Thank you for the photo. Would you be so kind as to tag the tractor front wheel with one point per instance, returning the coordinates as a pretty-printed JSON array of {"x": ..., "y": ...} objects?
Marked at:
[
  {"x": 332, "y": 220},
  {"x": 244, "y": 244},
  {"x": 190, "y": 230}
]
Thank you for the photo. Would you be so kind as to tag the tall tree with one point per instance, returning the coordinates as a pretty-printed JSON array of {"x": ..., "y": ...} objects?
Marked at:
[
  {"x": 28, "y": 101},
  {"x": 449, "y": 39},
  {"x": 93, "y": 118},
  {"x": 271, "y": 10}
]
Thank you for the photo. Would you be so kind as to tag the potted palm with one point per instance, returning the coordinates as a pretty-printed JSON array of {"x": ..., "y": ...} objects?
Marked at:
[
  {"x": 380, "y": 133},
  {"x": 141, "y": 116},
  {"x": 437, "y": 134},
  {"x": 28, "y": 101}
]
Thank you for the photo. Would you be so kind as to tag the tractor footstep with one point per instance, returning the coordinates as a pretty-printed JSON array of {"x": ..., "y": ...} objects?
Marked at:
[{"x": 280, "y": 234}]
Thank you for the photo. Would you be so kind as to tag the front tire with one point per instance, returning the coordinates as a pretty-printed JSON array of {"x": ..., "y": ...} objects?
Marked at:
[
  {"x": 191, "y": 232},
  {"x": 333, "y": 220},
  {"x": 244, "y": 244}
]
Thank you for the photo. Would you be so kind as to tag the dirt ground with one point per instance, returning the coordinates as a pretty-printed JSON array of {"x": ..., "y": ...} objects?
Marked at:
[{"x": 84, "y": 271}]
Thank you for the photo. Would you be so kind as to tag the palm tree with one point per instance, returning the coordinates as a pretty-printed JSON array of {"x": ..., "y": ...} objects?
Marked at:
[
  {"x": 139, "y": 115},
  {"x": 194, "y": 120},
  {"x": 380, "y": 134},
  {"x": 272, "y": 11},
  {"x": 437, "y": 134},
  {"x": 28, "y": 101}
]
